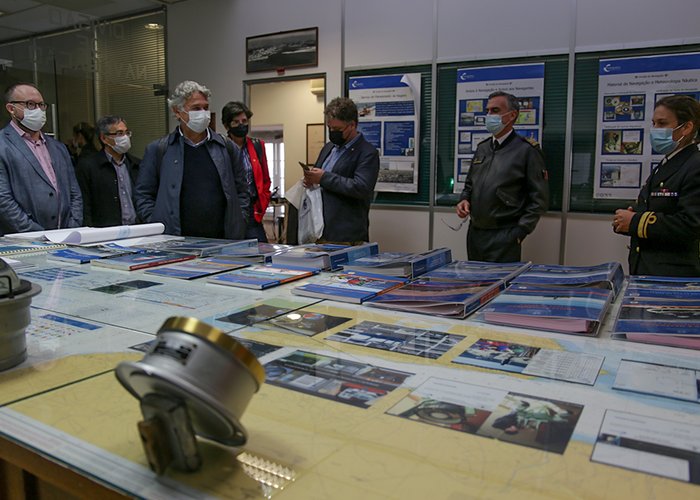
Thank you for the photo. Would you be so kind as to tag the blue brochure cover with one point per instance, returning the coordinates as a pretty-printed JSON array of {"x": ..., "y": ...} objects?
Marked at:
[
  {"x": 566, "y": 310},
  {"x": 261, "y": 277},
  {"x": 429, "y": 295},
  {"x": 609, "y": 273},
  {"x": 349, "y": 287}
]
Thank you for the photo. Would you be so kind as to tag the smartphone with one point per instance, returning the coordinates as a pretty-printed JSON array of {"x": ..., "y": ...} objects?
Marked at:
[{"x": 305, "y": 166}]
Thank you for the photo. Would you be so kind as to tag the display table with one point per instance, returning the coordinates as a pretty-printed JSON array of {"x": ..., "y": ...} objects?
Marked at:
[{"x": 365, "y": 422}]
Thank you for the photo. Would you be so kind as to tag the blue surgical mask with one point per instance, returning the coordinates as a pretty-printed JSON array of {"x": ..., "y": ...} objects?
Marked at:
[
  {"x": 662, "y": 139},
  {"x": 494, "y": 124}
]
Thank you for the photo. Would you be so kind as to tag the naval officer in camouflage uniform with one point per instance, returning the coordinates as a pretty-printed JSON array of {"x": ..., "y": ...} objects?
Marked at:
[{"x": 506, "y": 190}]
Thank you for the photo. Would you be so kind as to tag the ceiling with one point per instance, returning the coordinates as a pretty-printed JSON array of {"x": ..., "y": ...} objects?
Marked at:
[{"x": 24, "y": 18}]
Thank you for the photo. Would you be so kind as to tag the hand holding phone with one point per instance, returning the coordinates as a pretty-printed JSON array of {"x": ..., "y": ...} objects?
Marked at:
[{"x": 305, "y": 166}]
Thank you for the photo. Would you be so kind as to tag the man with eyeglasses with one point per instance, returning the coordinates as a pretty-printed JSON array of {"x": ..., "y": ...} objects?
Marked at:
[
  {"x": 38, "y": 188},
  {"x": 346, "y": 169},
  {"x": 107, "y": 177}
]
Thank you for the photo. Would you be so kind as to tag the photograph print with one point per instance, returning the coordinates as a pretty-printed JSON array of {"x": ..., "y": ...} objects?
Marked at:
[{"x": 283, "y": 50}]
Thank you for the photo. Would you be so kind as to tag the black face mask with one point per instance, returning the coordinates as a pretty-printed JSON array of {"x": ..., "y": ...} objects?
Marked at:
[
  {"x": 239, "y": 130},
  {"x": 336, "y": 137}
]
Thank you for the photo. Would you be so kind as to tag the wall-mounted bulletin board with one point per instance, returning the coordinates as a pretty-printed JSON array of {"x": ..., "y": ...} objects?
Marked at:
[
  {"x": 552, "y": 125},
  {"x": 418, "y": 152},
  {"x": 587, "y": 105}
]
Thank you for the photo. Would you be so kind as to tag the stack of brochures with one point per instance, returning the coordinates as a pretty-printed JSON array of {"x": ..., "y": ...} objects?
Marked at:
[
  {"x": 141, "y": 260},
  {"x": 203, "y": 247},
  {"x": 350, "y": 287},
  {"x": 328, "y": 257},
  {"x": 660, "y": 310},
  {"x": 84, "y": 255},
  {"x": 261, "y": 253},
  {"x": 455, "y": 290},
  {"x": 608, "y": 275},
  {"x": 563, "y": 299},
  {"x": 198, "y": 268},
  {"x": 408, "y": 265},
  {"x": 9, "y": 246},
  {"x": 558, "y": 308},
  {"x": 261, "y": 277}
]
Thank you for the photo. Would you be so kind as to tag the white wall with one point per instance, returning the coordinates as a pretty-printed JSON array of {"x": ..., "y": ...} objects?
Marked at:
[
  {"x": 590, "y": 240},
  {"x": 603, "y": 24},
  {"x": 206, "y": 42},
  {"x": 486, "y": 29},
  {"x": 388, "y": 32},
  {"x": 292, "y": 105},
  {"x": 399, "y": 230}
]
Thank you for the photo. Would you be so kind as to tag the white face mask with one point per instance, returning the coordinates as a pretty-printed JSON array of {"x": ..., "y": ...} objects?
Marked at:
[
  {"x": 198, "y": 120},
  {"x": 122, "y": 144},
  {"x": 34, "y": 119}
]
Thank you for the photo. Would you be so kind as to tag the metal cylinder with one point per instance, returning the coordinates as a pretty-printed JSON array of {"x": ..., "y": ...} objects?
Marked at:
[
  {"x": 14, "y": 319},
  {"x": 211, "y": 372}
]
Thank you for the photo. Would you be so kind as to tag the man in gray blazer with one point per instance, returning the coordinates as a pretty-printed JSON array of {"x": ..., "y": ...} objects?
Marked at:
[
  {"x": 38, "y": 188},
  {"x": 346, "y": 169}
]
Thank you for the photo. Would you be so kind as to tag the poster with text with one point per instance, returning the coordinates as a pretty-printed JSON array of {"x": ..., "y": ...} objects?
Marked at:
[
  {"x": 627, "y": 91},
  {"x": 389, "y": 110},
  {"x": 474, "y": 85}
]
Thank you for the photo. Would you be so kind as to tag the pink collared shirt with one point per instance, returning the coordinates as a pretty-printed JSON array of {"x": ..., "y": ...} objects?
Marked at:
[{"x": 41, "y": 152}]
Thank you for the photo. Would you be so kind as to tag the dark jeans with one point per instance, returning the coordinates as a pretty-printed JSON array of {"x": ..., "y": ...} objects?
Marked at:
[{"x": 493, "y": 245}]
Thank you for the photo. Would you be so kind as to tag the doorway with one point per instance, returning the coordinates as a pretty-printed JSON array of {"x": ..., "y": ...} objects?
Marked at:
[
  {"x": 287, "y": 114},
  {"x": 282, "y": 109}
]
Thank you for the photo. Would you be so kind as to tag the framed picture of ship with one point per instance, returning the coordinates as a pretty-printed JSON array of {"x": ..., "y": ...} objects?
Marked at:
[{"x": 283, "y": 50}]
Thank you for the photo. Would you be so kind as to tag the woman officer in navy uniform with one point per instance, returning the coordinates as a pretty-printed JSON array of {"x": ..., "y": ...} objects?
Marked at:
[{"x": 664, "y": 226}]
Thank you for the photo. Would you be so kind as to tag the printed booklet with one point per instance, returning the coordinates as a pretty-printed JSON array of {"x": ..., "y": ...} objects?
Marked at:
[
  {"x": 462, "y": 270},
  {"x": 660, "y": 310},
  {"x": 401, "y": 264},
  {"x": 350, "y": 287},
  {"x": 202, "y": 247},
  {"x": 198, "y": 268},
  {"x": 608, "y": 275},
  {"x": 141, "y": 260},
  {"x": 328, "y": 257},
  {"x": 261, "y": 277},
  {"x": 455, "y": 290},
  {"x": 261, "y": 253},
  {"x": 18, "y": 247},
  {"x": 84, "y": 255},
  {"x": 558, "y": 309},
  {"x": 441, "y": 297}
]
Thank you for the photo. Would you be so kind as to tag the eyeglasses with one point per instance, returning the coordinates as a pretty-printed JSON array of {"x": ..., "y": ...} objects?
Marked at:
[
  {"x": 120, "y": 133},
  {"x": 32, "y": 105},
  {"x": 462, "y": 222}
]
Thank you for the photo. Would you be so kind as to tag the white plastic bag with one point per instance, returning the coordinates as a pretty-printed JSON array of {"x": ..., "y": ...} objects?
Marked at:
[{"x": 310, "y": 216}]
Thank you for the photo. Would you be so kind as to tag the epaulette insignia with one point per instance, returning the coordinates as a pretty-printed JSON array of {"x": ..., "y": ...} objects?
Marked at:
[{"x": 532, "y": 142}]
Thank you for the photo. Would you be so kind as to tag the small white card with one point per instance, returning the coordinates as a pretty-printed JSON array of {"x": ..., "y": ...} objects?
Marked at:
[{"x": 659, "y": 380}]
